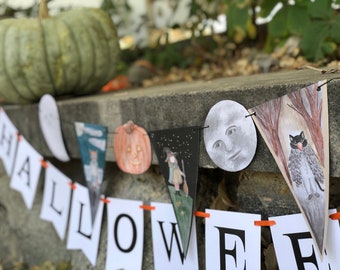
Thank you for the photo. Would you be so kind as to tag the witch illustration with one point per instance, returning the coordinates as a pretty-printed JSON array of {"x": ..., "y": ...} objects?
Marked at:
[{"x": 175, "y": 173}]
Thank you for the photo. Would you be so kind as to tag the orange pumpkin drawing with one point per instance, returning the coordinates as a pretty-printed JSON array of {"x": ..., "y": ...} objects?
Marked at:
[{"x": 132, "y": 148}]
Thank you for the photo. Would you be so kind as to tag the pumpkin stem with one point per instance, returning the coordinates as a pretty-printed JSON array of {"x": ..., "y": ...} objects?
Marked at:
[
  {"x": 43, "y": 10},
  {"x": 129, "y": 127}
]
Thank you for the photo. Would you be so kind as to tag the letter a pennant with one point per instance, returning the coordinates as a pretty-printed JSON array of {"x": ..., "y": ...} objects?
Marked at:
[
  {"x": 295, "y": 129},
  {"x": 26, "y": 171},
  {"x": 177, "y": 151},
  {"x": 92, "y": 144}
]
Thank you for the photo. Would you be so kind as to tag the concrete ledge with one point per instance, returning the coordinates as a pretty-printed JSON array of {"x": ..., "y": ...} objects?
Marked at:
[{"x": 177, "y": 105}]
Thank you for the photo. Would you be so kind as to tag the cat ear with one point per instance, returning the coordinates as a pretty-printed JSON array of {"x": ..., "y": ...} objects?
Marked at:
[
  {"x": 302, "y": 135},
  {"x": 291, "y": 137}
]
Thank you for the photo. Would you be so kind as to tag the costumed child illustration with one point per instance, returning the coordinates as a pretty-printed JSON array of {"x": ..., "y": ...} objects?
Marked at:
[
  {"x": 94, "y": 173},
  {"x": 176, "y": 175}
]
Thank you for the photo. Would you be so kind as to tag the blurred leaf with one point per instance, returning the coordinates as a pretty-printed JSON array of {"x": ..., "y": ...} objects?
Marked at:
[
  {"x": 266, "y": 7},
  {"x": 237, "y": 22},
  {"x": 297, "y": 19},
  {"x": 251, "y": 29},
  {"x": 313, "y": 40},
  {"x": 278, "y": 27},
  {"x": 335, "y": 29},
  {"x": 320, "y": 9},
  {"x": 328, "y": 47}
]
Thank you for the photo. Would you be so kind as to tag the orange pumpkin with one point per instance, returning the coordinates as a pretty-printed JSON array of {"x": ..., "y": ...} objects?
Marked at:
[{"x": 132, "y": 148}]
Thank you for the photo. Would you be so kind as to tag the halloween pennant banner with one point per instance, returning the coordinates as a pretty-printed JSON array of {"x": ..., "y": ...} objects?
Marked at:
[
  {"x": 50, "y": 125},
  {"x": 83, "y": 232},
  {"x": 132, "y": 148},
  {"x": 177, "y": 151},
  {"x": 56, "y": 199},
  {"x": 295, "y": 248},
  {"x": 167, "y": 248},
  {"x": 8, "y": 142},
  {"x": 232, "y": 240},
  {"x": 92, "y": 144},
  {"x": 230, "y": 136},
  {"x": 26, "y": 171},
  {"x": 295, "y": 129},
  {"x": 125, "y": 234}
]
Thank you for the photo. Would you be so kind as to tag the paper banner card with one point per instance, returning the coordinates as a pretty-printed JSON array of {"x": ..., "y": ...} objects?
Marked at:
[
  {"x": 125, "y": 234},
  {"x": 295, "y": 128},
  {"x": 56, "y": 199},
  {"x": 230, "y": 136},
  {"x": 132, "y": 148},
  {"x": 84, "y": 234},
  {"x": 295, "y": 248},
  {"x": 167, "y": 247},
  {"x": 92, "y": 144},
  {"x": 232, "y": 241},
  {"x": 177, "y": 151},
  {"x": 51, "y": 128},
  {"x": 26, "y": 171},
  {"x": 8, "y": 141}
]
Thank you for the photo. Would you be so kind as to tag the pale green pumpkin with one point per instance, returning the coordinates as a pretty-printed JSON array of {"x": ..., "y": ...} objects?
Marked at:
[{"x": 73, "y": 53}]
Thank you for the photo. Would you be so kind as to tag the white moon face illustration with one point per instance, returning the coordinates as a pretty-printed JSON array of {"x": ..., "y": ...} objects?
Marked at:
[{"x": 230, "y": 137}]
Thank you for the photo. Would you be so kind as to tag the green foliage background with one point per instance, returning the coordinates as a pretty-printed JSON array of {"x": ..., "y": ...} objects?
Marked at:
[{"x": 317, "y": 23}]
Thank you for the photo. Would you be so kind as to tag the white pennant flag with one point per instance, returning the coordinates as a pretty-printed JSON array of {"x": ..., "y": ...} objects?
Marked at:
[
  {"x": 8, "y": 141},
  {"x": 167, "y": 247},
  {"x": 26, "y": 171},
  {"x": 83, "y": 234},
  {"x": 232, "y": 241},
  {"x": 294, "y": 246},
  {"x": 57, "y": 199},
  {"x": 125, "y": 234}
]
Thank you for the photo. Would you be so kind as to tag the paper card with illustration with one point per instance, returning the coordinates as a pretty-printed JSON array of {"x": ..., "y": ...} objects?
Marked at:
[
  {"x": 92, "y": 145},
  {"x": 177, "y": 151},
  {"x": 51, "y": 128},
  {"x": 8, "y": 142},
  {"x": 295, "y": 129},
  {"x": 230, "y": 136},
  {"x": 295, "y": 248},
  {"x": 132, "y": 148}
]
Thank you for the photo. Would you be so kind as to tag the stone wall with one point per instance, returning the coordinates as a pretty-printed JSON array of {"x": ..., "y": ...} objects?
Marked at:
[{"x": 24, "y": 237}]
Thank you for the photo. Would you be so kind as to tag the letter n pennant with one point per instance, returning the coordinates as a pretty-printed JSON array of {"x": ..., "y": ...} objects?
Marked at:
[
  {"x": 177, "y": 151},
  {"x": 92, "y": 144},
  {"x": 295, "y": 129}
]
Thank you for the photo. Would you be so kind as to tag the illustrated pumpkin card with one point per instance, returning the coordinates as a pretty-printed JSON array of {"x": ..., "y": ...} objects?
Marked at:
[
  {"x": 295, "y": 128},
  {"x": 92, "y": 145},
  {"x": 132, "y": 148},
  {"x": 177, "y": 151}
]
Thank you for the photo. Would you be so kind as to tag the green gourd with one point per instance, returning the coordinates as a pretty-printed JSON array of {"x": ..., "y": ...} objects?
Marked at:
[{"x": 73, "y": 53}]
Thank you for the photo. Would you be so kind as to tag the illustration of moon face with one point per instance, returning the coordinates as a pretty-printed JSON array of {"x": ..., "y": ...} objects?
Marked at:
[{"x": 230, "y": 138}]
